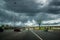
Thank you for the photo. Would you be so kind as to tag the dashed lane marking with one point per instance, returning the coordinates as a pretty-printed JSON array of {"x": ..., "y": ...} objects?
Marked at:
[{"x": 36, "y": 35}]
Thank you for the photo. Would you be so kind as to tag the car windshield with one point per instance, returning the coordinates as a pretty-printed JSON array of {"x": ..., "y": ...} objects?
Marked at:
[{"x": 29, "y": 19}]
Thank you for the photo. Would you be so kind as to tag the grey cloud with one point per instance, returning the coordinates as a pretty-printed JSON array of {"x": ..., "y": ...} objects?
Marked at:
[
  {"x": 23, "y": 6},
  {"x": 52, "y": 10},
  {"x": 24, "y": 10},
  {"x": 6, "y": 17},
  {"x": 10, "y": 16},
  {"x": 52, "y": 23},
  {"x": 53, "y": 7},
  {"x": 45, "y": 16},
  {"x": 30, "y": 7},
  {"x": 55, "y": 2}
]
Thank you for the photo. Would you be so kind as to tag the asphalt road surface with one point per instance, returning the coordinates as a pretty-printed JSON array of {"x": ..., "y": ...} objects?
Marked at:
[
  {"x": 29, "y": 35},
  {"x": 51, "y": 35}
]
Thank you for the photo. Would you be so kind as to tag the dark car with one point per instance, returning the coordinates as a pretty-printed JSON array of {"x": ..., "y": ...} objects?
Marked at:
[
  {"x": 17, "y": 30},
  {"x": 46, "y": 30},
  {"x": 1, "y": 29}
]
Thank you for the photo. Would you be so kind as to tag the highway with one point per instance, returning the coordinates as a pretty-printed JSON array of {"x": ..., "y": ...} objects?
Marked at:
[{"x": 29, "y": 35}]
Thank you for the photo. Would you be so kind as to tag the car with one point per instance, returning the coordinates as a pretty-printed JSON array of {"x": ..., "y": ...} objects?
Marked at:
[
  {"x": 1, "y": 29},
  {"x": 46, "y": 29},
  {"x": 17, "y": 30}
]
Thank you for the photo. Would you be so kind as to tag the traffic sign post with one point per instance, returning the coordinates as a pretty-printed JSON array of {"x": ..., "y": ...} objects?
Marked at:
[{"x": 39, "y": 23}]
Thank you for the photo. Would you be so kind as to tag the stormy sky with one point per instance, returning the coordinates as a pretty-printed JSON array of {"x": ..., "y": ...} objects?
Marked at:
[{"x": 30, "y": 12}]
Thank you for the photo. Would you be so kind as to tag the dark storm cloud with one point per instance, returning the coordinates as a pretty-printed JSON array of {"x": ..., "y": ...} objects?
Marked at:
[
  {"x": 45, "y": 16},
  {"x": 30, "y": 7},
  {"x": 23, "y": 6},
  {"x": 9, "y": 16},
  {"x": 53, "y": 7},
  {"x": 6, "y": 17},
  {"x": 55, "y": 2},
  {"x": 28, "y": 10}
]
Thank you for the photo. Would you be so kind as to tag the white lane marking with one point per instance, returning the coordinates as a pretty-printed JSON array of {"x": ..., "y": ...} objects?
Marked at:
[{"x": 36, "y": 35}]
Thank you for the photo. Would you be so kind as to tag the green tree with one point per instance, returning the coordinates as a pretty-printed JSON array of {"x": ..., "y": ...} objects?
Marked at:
[{"x": 2, "y": 25}]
